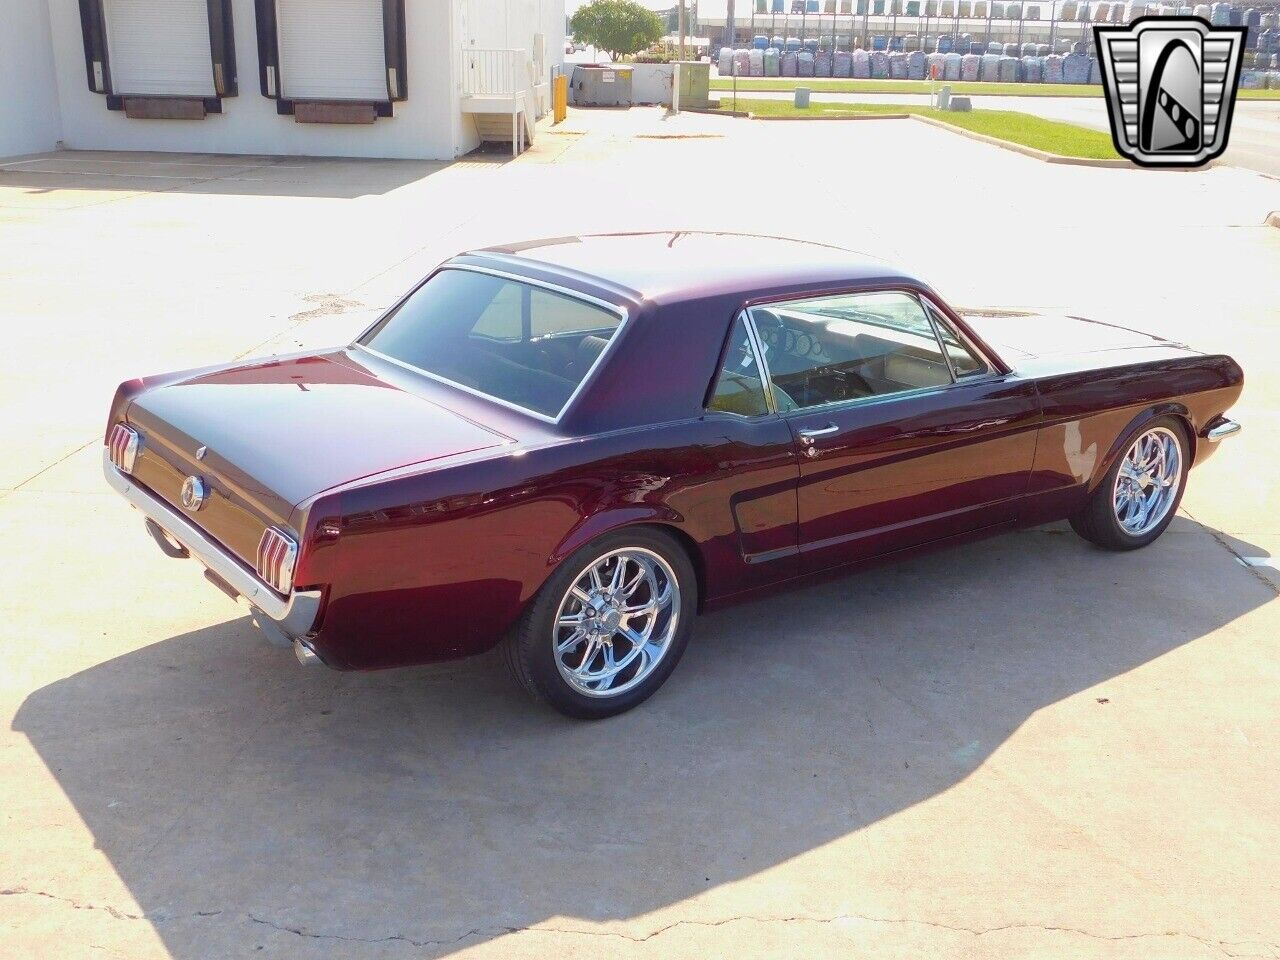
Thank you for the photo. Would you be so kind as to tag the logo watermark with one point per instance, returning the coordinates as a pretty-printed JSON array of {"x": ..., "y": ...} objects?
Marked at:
[{"x": 1170, "y": 84}]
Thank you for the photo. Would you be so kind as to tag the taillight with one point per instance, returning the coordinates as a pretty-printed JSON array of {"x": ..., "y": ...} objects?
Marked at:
[
  {"x": 122, "y": 446},
  {"x": 277, "y": 556}
]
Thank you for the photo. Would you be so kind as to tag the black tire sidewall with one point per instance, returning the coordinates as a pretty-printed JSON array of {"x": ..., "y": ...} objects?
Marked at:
[{"x": 536, "y": 648}]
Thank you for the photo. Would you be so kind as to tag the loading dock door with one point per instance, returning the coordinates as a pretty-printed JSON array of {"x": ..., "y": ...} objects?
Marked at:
[
  {"x": 159, "y": 47},
  {"x": 332, "y": 50}
]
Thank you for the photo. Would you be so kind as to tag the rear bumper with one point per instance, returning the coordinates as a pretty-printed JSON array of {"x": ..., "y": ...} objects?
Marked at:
[{"x": 295, "y": 615}]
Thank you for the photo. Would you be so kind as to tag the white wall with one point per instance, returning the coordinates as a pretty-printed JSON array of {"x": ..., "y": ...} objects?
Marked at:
[
  {"x": 426, "y": 125},
  {"x": 29, "y": 120}
]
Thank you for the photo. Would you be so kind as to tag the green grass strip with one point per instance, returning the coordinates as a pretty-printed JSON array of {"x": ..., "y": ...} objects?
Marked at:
[
  {"x": 786, "y": 84},
  {"x": 1052, "y": 136}
]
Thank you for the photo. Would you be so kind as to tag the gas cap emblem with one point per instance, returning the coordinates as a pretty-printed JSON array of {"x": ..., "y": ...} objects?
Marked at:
[{"x": 193, "y": 493}]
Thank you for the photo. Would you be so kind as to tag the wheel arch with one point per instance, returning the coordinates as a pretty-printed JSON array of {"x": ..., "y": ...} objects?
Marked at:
[
  {"x": 663, "y": 519},
  {"x": 1173, "y": 410}
]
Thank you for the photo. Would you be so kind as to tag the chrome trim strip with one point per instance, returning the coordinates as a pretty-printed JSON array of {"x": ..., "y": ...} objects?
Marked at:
[
  {"x": 295, "y": 615},
  {"x": 939, "y": 317},
  {"x": 457, "y": 386},
  {"x": 1227, "y": 428},
  {"x": 762, "y": 366},
  {"x": 621, "y": 312}
]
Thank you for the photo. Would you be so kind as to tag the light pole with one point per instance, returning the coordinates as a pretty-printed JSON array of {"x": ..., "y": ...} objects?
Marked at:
[{"x": 680, "y": 26}]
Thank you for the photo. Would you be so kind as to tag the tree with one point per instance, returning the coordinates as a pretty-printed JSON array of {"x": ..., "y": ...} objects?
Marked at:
[{"x": 618, "y": 27}]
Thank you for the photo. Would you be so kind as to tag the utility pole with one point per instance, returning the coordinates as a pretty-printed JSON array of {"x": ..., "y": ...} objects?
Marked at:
[
  {"x": 730, "y": 28},
  {"x": 680, "y": 27}
]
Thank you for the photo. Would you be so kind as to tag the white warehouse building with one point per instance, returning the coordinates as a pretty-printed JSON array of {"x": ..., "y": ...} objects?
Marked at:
[{"x": 367, "y": 78}]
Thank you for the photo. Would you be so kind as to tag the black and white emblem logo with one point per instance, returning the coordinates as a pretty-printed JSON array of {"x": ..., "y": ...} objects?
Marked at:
[{"x": 1171, "y": 85}]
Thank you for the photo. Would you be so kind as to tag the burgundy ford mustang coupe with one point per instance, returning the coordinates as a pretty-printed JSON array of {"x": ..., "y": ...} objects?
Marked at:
[{"x": 572, "y": 446}]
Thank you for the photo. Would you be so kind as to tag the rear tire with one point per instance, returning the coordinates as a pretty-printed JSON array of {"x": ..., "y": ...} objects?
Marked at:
[
  {"x": 1137, "y": 498},
  {"x": 609, "y": 626}
]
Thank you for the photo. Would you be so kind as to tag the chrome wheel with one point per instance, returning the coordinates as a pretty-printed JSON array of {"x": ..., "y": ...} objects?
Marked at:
[
  {"x": 616, "y": 622},
  {"x": 1147, "y": 483}
]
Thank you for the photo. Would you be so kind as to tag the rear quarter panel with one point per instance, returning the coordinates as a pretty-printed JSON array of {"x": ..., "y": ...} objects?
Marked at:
[{"x": 439, "y": 564}]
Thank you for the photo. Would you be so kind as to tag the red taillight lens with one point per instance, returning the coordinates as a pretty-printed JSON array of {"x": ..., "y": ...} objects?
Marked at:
[
  {"x": 122, "y": 446},
  {"x": 277, "y": 557}
]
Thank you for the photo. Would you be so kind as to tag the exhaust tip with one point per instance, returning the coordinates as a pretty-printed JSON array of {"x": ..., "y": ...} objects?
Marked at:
[{"x": 305, "y": 653}]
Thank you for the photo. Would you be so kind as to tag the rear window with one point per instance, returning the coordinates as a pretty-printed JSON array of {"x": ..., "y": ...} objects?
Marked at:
[{"x": 516, "y": 342}]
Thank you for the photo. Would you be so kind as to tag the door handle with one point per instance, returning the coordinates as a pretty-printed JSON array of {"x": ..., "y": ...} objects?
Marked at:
[{"x": 807, "y": 436}]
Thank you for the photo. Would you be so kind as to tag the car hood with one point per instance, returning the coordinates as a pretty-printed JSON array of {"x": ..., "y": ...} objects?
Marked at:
[
  {"x": 1020, "y": 334},
  {"x": 290, "y": 428}
]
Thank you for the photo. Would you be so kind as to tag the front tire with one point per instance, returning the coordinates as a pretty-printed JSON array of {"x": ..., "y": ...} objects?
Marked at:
[
  {"x": 1136, "y": 500},
  {"x": 609, "y": 626}
]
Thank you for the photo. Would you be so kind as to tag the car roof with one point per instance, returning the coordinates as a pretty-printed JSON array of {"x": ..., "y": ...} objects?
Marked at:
[{"x": 683, "y": 264}]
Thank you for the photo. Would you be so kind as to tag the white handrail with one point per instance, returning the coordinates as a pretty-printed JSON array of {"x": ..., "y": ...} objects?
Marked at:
[{"x": 494, "y": 73}]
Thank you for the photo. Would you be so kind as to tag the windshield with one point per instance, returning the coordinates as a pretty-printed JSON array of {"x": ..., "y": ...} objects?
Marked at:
[{"x": 516, "y": 342}]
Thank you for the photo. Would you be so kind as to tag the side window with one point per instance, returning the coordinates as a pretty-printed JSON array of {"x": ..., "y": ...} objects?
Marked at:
[
  {"x": 551, "y": 314},
  {"x": 845, "y": 347},
  {"x": 519, "y": 312},
  {"x": 739, "y": 387},
  {"x": 963, "y": 360},
  {"x": 501, "y": 319}
]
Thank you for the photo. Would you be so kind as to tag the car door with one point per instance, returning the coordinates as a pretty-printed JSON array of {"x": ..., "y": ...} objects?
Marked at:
[
  {"x": 755, "y": 474},
  {"x": 906, "y": 433}
]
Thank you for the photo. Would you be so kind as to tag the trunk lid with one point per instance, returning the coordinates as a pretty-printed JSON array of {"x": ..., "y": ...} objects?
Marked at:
[{"x": 277, "y": 432}]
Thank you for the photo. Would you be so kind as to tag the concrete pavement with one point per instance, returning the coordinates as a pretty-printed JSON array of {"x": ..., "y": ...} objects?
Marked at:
[
  {"x": 1022, "y": 748},
  {"x": 1254, "y": 142}
]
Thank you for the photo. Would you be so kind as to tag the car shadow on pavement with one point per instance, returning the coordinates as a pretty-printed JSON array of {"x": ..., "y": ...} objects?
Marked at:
[{"x": 438, "y": 806}]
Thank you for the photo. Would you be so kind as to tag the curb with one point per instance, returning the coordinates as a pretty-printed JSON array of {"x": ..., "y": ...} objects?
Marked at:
[
  {"x": 715, "y": 113},
  {"x": 836, "y": 116},
  {"x": 1028, "y": 151},
  {"x": 1044, "y": 156}
]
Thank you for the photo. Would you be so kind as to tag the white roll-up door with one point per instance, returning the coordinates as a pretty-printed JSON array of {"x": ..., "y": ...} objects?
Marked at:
[
  {"x": 332, "y": 49},
  {"x": 159, "y": 47}
]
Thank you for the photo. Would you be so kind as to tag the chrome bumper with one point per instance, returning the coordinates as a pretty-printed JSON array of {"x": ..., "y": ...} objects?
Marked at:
[
  {"x": 1221, "y": 430},
  {"x": 295, "y": 615}
]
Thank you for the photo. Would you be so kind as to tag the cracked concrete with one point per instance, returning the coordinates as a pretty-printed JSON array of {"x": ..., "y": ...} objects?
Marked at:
[
  {"x": 1165, "y": 937},
  {"x": 1022, "y": 748}
]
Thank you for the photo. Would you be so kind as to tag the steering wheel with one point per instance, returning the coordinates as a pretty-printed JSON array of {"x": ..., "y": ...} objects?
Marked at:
[{"x": 844, "y": 374}]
